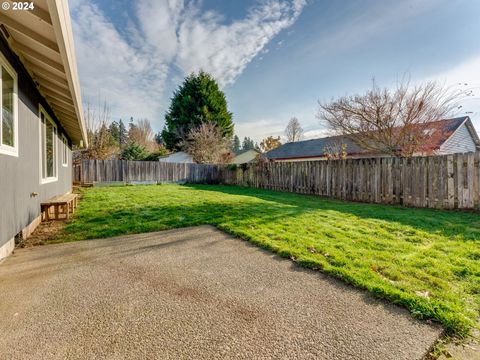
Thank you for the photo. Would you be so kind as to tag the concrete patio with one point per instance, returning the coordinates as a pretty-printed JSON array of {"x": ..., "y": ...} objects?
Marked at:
[{"x": 190, "y": 293}]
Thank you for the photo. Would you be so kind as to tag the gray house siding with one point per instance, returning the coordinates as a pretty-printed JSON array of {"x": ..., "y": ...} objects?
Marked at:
[
  {"x": 20, "y": 176},
  {"x": 460, "y": 142}
]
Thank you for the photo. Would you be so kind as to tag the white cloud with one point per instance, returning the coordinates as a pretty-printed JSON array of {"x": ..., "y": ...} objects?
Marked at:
[
  {"x": 197, "y": 40},
  {"x": 260, "y": 129},
  {"x": 466, "y": 72},
  {"x": 130, "y": 69},
  {"x": 466, "y": 77},
  {"x": 316, "y": 133},
  {"x": 130, "y": 79},
  {"x": 159, "y": 24}
]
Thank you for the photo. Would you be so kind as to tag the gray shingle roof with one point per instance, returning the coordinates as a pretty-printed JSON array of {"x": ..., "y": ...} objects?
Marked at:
[
  {"x": 312, "y": 148},
  {"x": 316, "y": 147}
]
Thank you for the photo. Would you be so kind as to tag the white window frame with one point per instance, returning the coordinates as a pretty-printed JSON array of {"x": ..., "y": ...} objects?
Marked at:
[
  {"x": 43, "y": 145},
  {"x": 6, "y": 149},
  {"x": 64, "y": 151}
]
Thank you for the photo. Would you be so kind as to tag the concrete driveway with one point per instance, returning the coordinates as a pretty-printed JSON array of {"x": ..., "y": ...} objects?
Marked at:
[{"x": 193, "y": 293}]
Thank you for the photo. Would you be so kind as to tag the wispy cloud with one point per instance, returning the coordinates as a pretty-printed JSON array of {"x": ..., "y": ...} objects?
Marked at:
[
  {"x": 465, "y": 73},
  {"x": 464, "y": 76},
  {"x": 123, "y": 73},
  {"x": 206, "y": 42},
  {"x": 130, "y": 69},
  {"x": 159, "y": 21},
  {"x": 273, "y": 124}
]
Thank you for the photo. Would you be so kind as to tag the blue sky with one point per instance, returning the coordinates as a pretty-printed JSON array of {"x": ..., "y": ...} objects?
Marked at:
[{"x": 273, "y": 58}]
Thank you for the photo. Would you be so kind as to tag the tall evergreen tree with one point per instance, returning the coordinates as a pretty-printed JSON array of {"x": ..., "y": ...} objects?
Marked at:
[
  {"x": 114, "y": 131},
  {"x": 132, "y": 131},
  {"x": 158, "y": 138},
  {"x": 122, "y": 134},
  {"x": 198, "y": 100},
  {"x": 133, "y": 152},
  {"x": 248, "y": 143},
  {"x": 236, "y": 144}
]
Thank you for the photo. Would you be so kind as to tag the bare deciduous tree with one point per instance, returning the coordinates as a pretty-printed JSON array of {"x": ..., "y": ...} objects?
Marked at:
[
  {"x": 141, "y": 133},
  {"x": 101, "y": 144},
  {"x": 145, "y": 129},
  {"x": 107, "y": 140},
  {"x": 95, "y": 117},
  {"x": 294, "y": 131},
  {"x": 392, "y": 122},
  {"x": 207, "y": 145}
]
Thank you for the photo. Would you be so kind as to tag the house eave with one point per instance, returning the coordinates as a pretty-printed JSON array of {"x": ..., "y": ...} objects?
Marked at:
[{"x": 42, "y": 38}]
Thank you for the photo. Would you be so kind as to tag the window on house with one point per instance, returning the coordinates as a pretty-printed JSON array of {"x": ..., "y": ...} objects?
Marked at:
[
  {"x": 48, "y": 136},
  {"x": 64, "y": 151},
  {"x": 8, "y": 115}
]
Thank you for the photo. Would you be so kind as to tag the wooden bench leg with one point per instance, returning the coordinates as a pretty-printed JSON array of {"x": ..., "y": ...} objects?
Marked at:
[
  {"x": 67, "y": 212},
  {"x": 47, "y": 215},
  {"x": 56, "y": 211}
]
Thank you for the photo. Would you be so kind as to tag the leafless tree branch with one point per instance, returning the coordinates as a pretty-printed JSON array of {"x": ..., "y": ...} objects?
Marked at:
[
  {"x": 392, "y": 122},
  {"x": 207, "y": 145}
]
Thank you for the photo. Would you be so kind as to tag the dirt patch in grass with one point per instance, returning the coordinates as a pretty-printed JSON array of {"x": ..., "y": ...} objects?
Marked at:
[
  {"x": 46, "y": 232},
  {"x": 49, "y": 232}
]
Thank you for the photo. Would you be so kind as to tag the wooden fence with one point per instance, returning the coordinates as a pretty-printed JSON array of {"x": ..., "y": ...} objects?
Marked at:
[
  {"x": 89, "y": 171},
  {"x": 447, "y": 182},
  {"x": 444, "y": 182}
]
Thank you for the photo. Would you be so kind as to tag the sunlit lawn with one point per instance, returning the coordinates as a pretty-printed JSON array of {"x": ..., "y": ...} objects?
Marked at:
[{"x": 425, "y": 260}]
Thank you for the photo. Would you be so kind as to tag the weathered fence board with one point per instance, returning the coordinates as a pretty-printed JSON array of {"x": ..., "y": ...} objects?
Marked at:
[
  {"x": 89, "y": 171},
  {"x": 444, "y": 182}
]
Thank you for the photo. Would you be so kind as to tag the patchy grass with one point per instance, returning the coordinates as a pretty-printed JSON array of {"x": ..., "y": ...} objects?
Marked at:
[
  {"x": 44, "y": 233},
  {"x": 425, "y": 260}
]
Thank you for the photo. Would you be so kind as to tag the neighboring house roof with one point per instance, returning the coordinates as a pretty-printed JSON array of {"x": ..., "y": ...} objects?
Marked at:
[
  {"x": 42, "y": 38},
  {"x": 244, "y": 156},
  {"x": 446, "y": 128},
  {"x": 178, "y": 157},
  {"x": 317, "y": 147},
  {"x": 312, "y": 148},
  {"x": 240, "y": 152}
]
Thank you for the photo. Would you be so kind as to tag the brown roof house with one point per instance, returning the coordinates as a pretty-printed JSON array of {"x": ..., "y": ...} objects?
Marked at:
[
  {"x": 41, "y": 117},
  {"x": 447, "y": 136}
]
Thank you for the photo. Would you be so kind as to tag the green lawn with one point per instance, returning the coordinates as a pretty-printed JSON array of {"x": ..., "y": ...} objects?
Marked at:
[{"x": 425, "y": 260}]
